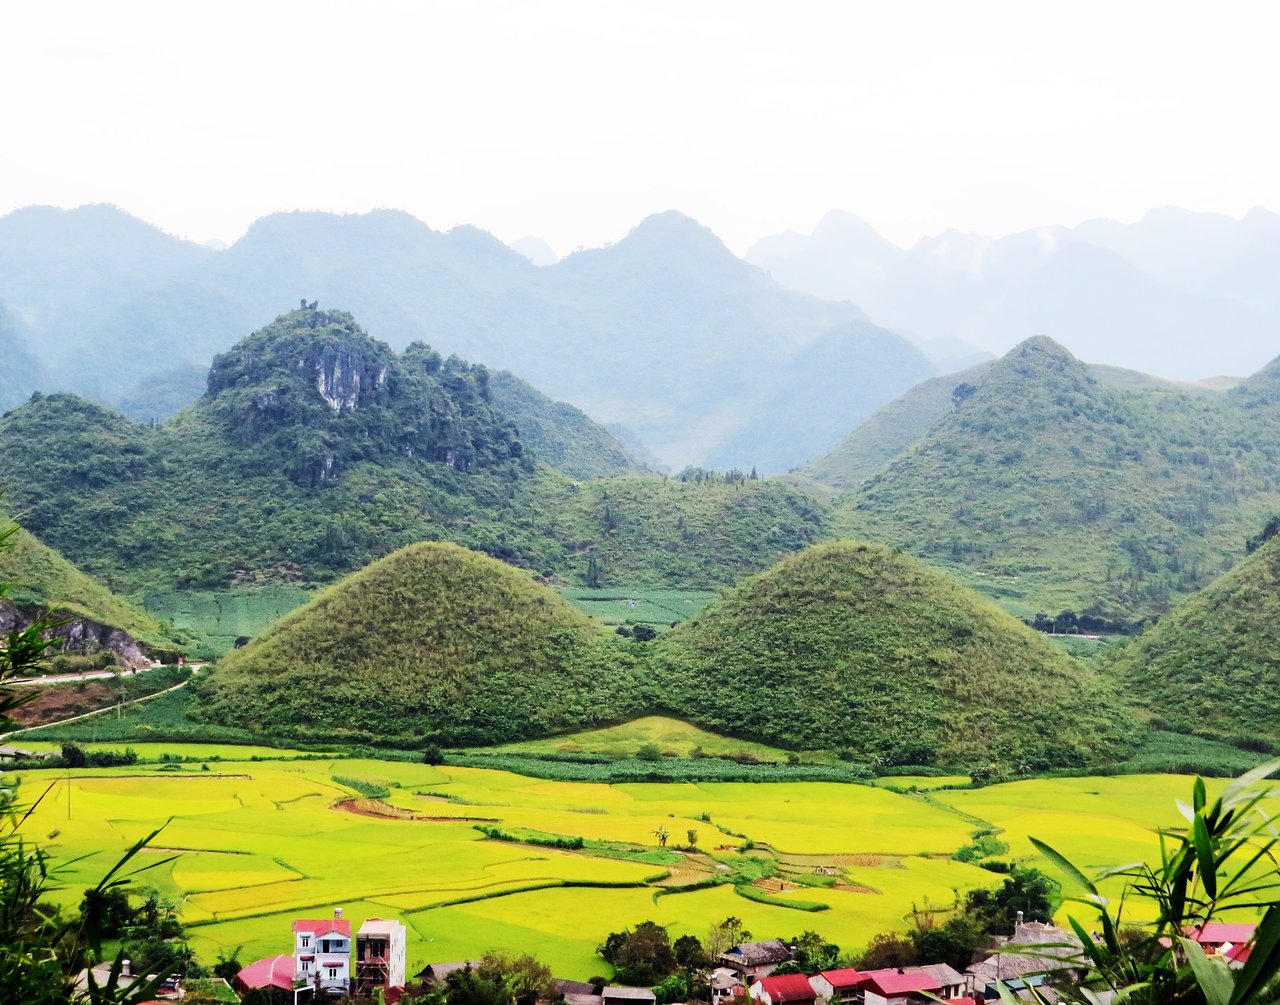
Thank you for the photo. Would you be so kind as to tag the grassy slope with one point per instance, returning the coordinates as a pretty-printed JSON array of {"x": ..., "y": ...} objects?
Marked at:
[
  {"x": 1214, "y": 663},
  {"x": 1049, "y": 490},
  {"x": 432, "y": 641},
  {"x": 37, "y": 575},
  {"x": 563, "y": 436},
  {"x": 858, "y": 646}
]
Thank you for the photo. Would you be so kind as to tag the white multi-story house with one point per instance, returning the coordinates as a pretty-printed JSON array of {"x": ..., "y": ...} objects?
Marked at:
[
  {"x": 380, "y": 951},
  {"x": 323, "y": 948}
]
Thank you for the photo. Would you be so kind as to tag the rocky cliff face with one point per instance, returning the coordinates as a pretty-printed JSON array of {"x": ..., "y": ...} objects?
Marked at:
[{"x": 80, "y": 635}]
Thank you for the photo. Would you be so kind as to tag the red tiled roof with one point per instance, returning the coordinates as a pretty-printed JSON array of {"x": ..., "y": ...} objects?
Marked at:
[
  {"x": 1216, "y": 932},
  {"x": 846, "y": 978},
  {"x": 895, "y": 982},
  {"x": 318, "y": 928},
  {"x": 1240, "y": 954},
  {"x": 964, "y": 1000},
  {"x": 788, "y": 988},
  {"x": 273, "y": 972}
]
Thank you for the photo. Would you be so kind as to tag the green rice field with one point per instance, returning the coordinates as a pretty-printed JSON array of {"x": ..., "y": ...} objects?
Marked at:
[
  {"x": 627, "y": 605},
  {"x": 260, "y": 842}
]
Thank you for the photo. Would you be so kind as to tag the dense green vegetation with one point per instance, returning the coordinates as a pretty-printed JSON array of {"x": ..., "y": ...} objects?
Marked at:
[
  {"x": 563, "y": 436},
  {"x": 908, "y": 418},
  {"x": 317, "y": 450},
  {"x": 43, "y": 579},
  {"x": 860, "y": 647},
  {"x": 432, "y": 643},
  {"x": 1214, "y": 663},
  {"x": 1050, "y": 490}
]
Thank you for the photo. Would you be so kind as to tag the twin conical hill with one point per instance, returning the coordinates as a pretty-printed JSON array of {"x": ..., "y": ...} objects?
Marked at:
[
  {"x": 858, "y": 646},
  {"x": 1214, "y": 663},
  {"x": 432, "y": 642}
]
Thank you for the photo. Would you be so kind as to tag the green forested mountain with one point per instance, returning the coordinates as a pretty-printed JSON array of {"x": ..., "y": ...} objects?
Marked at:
[
  {"x": 1050, "y": 489},
  {"x": 431, "y": 643},
  {"x": 1214, "y": 663},
  {"x": 908, "y": 418},
  {"x": 317, "y": 449},
  {"x": 563, "y": 436},
  {"x": 859, "y": 646},
  {"x": 40, "y": 579},
  {"x": 665, "y": 330}
]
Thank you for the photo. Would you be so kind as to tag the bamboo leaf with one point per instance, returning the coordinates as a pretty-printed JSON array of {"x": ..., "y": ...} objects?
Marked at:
[
  {"x": 1204, "y": 855},
  {"x": 1065, "y": 866},
  {"x": 1212, "y": 975}
]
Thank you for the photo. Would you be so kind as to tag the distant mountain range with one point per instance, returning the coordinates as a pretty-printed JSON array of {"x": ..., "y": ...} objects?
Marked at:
[
  {"x": 1186, "y": 295},
  {"x": 665, "y": 331}
]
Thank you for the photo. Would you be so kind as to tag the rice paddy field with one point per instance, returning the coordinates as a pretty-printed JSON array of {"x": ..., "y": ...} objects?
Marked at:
[
  {"x": 629, "y": 605},
  {"x": 259, "y": 842}
]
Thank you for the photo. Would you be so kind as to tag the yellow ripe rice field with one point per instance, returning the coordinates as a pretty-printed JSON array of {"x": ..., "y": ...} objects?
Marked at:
[{"x": 254, "y": 844}]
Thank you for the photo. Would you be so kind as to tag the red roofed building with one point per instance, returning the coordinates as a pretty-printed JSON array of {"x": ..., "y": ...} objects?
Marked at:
[
  {"x": 898, "y": 987},
  {"x": 322, "y": 949},
  {"x": 791, "y": 989},
  {"x": 1217, "y": 934},
  {"x": 837, "y": 987},
  {"x": 1238, "y": 956},
  {"x": 273, "y": 972}
]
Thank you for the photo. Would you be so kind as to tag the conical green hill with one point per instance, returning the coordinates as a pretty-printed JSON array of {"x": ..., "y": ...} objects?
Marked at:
[
  {"x": 1214, "y": 663},
  {"x": 433, "y": 642},
  {"x": 40, "y": 578},
  {"x": 861, "y": 647}
]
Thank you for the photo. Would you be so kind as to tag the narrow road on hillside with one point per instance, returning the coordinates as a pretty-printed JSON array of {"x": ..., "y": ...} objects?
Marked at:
[
  {"x": 71, "y": 678},
  {"x": 109, "y": 708}
]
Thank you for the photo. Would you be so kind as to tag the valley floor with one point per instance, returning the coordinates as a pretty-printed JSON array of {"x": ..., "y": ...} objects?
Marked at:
[{"x": 260, "y": 842}]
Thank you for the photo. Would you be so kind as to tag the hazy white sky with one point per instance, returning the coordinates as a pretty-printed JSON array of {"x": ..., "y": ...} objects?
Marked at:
[{"x": 573, "y": 120}]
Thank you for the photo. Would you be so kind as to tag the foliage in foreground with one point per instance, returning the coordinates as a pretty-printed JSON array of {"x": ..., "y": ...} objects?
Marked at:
[{"x": 1221, "y": 864}]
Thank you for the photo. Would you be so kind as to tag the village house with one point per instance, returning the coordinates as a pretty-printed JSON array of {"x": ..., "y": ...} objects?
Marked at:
[
  {"x": 272, "y": 972},
  {"x": 1036, "y": 953},
  {"x": 627, "y": 996},
  {"x": 380, "y": 953},
  {"x": 785, "y": 989},
  {"x": 322, "y": 950},
  {"x": 1220, "y": 938},
  {"x": 902, "y": 986},
  {"x": 437, "y": 973},
  {"x": 725, "y": 985},
  {"x": 836, "y": 987},
  {"x": 753, "y": 960}
]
